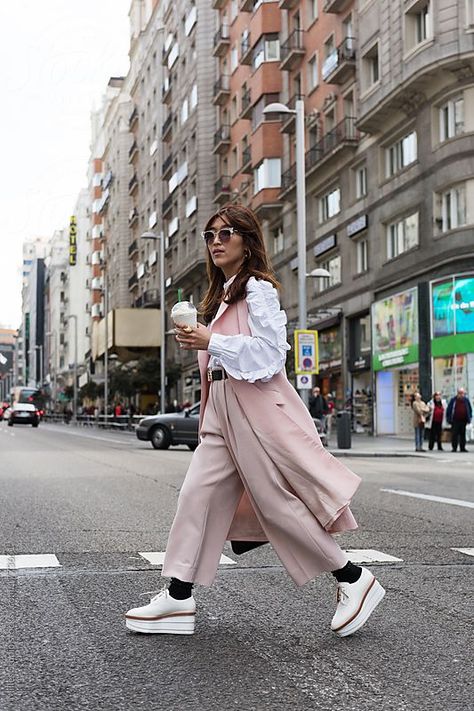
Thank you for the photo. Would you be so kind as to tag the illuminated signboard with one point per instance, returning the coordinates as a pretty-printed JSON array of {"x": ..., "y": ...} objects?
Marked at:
[
  {"x": 72, "y": 241},
  {"x": 453, "y": 306},
  {"x": 395, "y": 330}
]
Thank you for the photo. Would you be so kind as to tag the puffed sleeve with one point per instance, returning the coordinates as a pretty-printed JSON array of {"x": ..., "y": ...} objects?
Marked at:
[{"x": 263, "y": 354}]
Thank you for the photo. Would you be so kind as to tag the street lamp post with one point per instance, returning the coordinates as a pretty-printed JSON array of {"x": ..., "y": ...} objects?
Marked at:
[
  {"x": 161, "y": 238},
  {"x": 74, "y": 407},
  {"x": 40, "y": 379},
  {"x": 54, "y": 365},
  {"x": 298, "y": 111}
]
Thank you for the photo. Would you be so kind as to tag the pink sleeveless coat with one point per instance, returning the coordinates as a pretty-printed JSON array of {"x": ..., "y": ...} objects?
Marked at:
[{"x": 286, "y": 431}]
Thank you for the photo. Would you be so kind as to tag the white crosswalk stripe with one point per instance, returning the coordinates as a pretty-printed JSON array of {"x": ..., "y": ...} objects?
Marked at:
[
  {"x": 157, "y": 558},
  {"x": 15, "y": 562},
  {"x": 368, "y": 555},
  {"x": 466, "y": 551}
]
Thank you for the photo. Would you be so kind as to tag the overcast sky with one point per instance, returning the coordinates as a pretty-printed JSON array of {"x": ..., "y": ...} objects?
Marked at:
[{"x": 56, "y": 57}]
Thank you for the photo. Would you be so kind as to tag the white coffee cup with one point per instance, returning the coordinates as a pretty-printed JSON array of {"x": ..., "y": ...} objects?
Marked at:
[{"x": 184, "y": 314}]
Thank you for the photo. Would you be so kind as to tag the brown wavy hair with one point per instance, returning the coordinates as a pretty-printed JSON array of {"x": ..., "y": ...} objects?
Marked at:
[{"x": 245, "y": 222}]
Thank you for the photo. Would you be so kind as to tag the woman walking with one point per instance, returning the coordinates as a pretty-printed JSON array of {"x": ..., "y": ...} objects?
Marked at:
[
  {"x": 420, "y": 411},
  {"x": 260, "y": 472},
  {"x": 437, "y": 407}
]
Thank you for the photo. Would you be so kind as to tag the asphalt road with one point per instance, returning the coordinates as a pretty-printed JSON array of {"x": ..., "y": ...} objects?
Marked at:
[{"x": 96, "y": 500}]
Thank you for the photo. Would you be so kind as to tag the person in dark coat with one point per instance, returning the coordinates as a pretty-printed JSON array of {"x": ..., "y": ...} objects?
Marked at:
[
  {"x": 459, "y": 415},
  {"x": 317, "y": 405}
]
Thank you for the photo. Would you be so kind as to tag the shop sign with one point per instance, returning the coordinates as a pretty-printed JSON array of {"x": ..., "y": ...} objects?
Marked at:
[
  {"x": 330, "y": 348},
  {"x": 361, "y": 363},
  {"x": 325, "y": 245},
  {"x": 453, "y": 306},
  {"x": 358, "y": 225},
  {"x": 395, "y": 330},
  {"x": 306, "y": 352},
  {"x": 72, "y": 241}
]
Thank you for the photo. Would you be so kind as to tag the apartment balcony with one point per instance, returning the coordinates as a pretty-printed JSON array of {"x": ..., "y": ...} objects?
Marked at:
[
  {"x": 133, "y": 185},
  {"x": 292, "y": 51},
  {"x": 133, "y": 248},
  {"x": 340, "y": 65},
  {"x": 221, "y": 90},
  {"x": 132, "y": 216},
  {"x": 132, "y": 282},
  {"x": 246, "y": 51},
  {"x": 166, "y": 130},
  {"x": 288, "y": 179},
  {"x": 336, "y": 6},
  {"x": 166, "y": 91},
  {"x": 267, "y": 204},
  {"x": 151, "y": 299},
  {"x": 246, "y": 105},
  {"x": 133, "y": 152},
  {"x": 218, "y": 4},
  {"x": 133, "y": 119},
  {"x": 341, "y": 138},
  {"x": 166, "y": 205},
  {"x": 288, "y": 4},
  {"x": 166, "y": 167},
  {"x": 221, "y": 41},
  {"x": 246, "y": 5},
  {"x": 246, "y": 161},
  {"x": 222, "y": 139},
  {"x": 222, "y": 191},
  {"x": 289, "y": 121}
]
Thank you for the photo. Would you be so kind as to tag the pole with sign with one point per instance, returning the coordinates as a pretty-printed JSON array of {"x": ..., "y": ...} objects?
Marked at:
[{"x": 306, "y": 357}]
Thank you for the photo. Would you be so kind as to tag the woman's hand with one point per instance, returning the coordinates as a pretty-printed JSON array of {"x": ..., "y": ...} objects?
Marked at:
[{"x": 193, "y": 339}]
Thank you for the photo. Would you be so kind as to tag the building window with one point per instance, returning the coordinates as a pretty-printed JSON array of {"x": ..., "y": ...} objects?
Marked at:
[
  {"x": 402, "y": 236},
  {"x": 361, "y": 181},
  {"x": 267, "y": 174},
  {"x": 313, "y": 72},
  {"x": 278, "y": 241},
  {"x": 184, "y": 111},
  {"x": 370, "y": 68},
  {"x": 453, "y": 208},
  {"x": 418, "y": 24},
  {"x": 234, "y": 58},
  {"x": 451, "y": 119},
  {"x": 312, "y": 10},
  {"x": 267, "y": 49},
  {"x": 333, "y": 266},
  {"x": 234, "y": 10},
  {"x": 257, "y": 110},
  {"x": 330, "y": 205},
  {"x": 234, "y": 165},
  {"x": 470, "y": 13},
  {"x": 362, "y": 249},
  {"x": 401, "y": 154}
]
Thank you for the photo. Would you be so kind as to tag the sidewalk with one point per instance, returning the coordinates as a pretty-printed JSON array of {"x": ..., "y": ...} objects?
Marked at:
[{"x": 389, "y": 446}]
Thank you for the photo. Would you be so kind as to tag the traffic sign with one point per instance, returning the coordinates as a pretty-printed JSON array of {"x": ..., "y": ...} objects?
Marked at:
[
  {"x": 306, "y": 352},
  {"x": 304, "y": 382}
]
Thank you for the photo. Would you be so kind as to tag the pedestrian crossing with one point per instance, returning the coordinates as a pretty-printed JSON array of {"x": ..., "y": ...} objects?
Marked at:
[{"x": 156, "y": 559}]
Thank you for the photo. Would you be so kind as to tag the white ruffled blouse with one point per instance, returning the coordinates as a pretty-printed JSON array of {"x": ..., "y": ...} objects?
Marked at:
[{"x": 263, "y": 354}]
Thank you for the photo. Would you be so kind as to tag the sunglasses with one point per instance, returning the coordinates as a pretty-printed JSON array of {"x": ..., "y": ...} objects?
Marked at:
[{"x": 224, "y": 234}]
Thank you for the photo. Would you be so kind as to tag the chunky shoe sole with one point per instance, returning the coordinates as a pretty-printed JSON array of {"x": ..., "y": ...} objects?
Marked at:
[
  {"x": 172, "y": 624},
  {"x": 372, "y": 598}
]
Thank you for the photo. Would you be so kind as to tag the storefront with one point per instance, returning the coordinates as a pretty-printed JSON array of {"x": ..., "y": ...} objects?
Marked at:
[
  {"x": 330, "y": 364},
  {"x": 395, "y": 353},
  {"x": 361, "y": 400},
  {"x": 452, "y": 334}
]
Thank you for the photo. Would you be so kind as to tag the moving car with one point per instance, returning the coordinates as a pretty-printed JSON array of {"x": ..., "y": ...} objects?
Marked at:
[
  {"x": 171, "y": 429},
  {"x": 24, "y": 413}
]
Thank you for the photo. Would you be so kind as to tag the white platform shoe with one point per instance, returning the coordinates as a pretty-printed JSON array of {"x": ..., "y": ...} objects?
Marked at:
[
  {"x": 355, "y": 603},
  {"x": 163, "y": 615}
]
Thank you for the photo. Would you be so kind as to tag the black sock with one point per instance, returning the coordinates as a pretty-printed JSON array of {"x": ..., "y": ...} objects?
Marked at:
[
  {"x": 350, "y": 573},
  {"x": 179, "y": 589}
]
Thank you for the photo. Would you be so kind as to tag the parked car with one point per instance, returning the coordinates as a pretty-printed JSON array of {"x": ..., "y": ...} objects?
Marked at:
[
  {"x": 171, "y": 429},
  {"x": 24, "y": 413}
]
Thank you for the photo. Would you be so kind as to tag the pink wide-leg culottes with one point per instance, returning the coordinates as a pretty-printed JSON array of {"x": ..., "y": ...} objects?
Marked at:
[{"x": 211, "y": 493}]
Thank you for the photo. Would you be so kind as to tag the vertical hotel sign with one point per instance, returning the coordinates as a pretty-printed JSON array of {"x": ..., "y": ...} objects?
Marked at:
[{"x": 72, "y": 241}]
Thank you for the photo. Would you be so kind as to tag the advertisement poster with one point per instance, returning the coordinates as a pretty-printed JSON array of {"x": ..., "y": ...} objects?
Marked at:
[
  {"x": 395, "y": 330},
  {"x": 330, "y": 348},
  {"x": 453, "y": 306}
]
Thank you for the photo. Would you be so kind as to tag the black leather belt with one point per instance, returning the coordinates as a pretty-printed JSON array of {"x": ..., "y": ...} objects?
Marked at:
[{"x": 216, "y": 374}]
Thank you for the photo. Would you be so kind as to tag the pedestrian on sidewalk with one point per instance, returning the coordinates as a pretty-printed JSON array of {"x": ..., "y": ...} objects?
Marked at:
[
  {"x": 459, "y": 415},
  {"x": 420, "y": 411},
  {"x": 436, "y": 420},
  {"x": 260, "y": 473}
]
